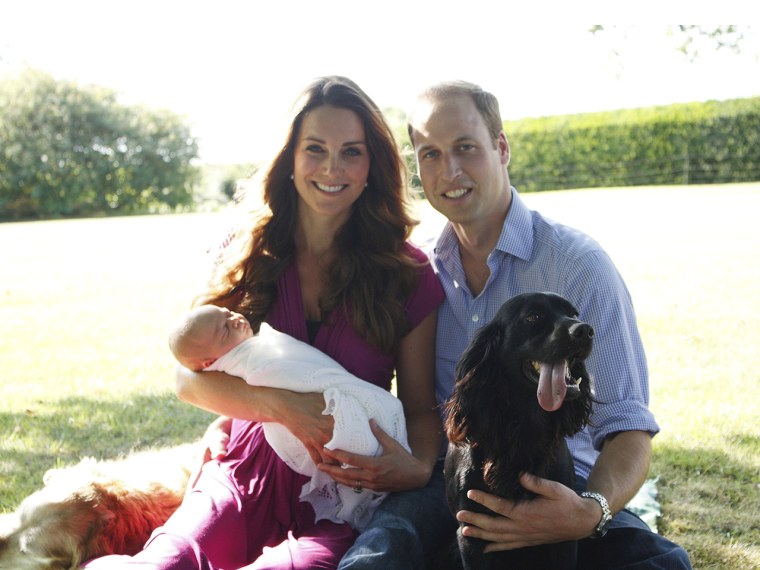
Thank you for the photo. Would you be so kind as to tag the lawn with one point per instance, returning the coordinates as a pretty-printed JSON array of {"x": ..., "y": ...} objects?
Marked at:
[{"x": 85, "y": 306}]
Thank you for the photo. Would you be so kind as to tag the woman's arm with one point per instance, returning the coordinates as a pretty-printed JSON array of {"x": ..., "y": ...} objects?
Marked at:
[
  {"x": 415, "y": 386},
  {"x": 230, "y": 396},
  {"x": 396, "y": 469}
]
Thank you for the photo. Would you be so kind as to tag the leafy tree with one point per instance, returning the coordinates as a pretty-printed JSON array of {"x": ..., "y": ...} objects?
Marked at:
[
  {"x": 693, "y": 39},
  {"x": 67, "y": 150}
]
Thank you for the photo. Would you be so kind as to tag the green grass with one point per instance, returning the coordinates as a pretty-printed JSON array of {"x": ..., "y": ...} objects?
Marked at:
[{"x": 85, "y": 306}]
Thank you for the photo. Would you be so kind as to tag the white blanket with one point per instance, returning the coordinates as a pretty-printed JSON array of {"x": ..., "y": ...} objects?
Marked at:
[{"x": 277, "y": 360}]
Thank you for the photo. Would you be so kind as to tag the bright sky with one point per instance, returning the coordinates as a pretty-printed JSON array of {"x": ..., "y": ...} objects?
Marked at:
[{"x": 233, "y": 67}]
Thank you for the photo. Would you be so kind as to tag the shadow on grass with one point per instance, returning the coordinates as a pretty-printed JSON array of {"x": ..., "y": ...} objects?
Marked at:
[
  {"x": 737, "y": 461},
  {"x": 61, "y": 433},
  {"x": 710, "y": 501}
]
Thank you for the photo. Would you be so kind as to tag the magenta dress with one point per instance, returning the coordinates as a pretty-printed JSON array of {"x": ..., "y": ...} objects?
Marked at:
[{"x": 244, "y": 512}]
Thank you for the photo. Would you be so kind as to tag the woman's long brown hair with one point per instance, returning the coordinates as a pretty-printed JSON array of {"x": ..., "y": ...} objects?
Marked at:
[{"x": 372, "y": 275}]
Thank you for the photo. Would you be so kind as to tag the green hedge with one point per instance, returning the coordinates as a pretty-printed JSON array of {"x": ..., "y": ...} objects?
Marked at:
[{"x": 692, "y": 143}]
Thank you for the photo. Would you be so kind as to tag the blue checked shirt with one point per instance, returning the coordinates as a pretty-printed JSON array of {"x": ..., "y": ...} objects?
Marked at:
[{"x": 536, "y": 254}]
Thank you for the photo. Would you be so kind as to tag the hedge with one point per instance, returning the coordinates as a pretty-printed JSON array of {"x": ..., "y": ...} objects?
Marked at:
[{"x": 690, "y": 143}]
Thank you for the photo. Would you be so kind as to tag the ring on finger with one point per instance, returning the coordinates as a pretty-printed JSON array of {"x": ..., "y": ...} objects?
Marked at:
[{"x": 358, "y": 486}]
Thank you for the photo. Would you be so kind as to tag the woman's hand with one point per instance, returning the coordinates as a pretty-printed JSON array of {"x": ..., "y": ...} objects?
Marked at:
[
  {"x": 302, "y": 415},
  {"x": 216, "y": 438},
  {"x": 394, "y": 470},
  {"x": 213, "y": 445},
  {"x": 231, "y": 396}
]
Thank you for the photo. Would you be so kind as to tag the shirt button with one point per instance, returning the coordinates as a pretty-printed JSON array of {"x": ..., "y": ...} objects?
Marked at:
[{"x": 475, "y": 318}]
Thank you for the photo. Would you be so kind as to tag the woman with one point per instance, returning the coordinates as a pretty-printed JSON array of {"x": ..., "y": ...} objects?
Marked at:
[{"x": 328, "y": 263}]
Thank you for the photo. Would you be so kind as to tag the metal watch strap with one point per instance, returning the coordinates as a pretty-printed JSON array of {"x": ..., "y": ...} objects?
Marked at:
[{"x": 601, "y": 528}]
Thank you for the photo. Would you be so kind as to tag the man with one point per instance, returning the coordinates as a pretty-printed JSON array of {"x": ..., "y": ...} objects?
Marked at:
[{"x": 492, "y": 249}]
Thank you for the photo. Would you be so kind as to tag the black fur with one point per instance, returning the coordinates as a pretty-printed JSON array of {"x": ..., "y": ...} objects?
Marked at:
[{"x": 496, "y": 428}]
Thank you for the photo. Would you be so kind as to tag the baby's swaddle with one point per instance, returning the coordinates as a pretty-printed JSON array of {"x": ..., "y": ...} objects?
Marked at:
[{"x": 277, "y": 360}]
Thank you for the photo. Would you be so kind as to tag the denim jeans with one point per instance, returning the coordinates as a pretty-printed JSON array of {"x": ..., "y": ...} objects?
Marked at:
[
  {"x": 409, "y": 527},
  {"x": 405, "y": 530},
  {"x": 629, "y": 544}
]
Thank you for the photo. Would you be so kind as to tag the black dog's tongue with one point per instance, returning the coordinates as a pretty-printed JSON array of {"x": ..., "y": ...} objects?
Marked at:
[{"x": 552, "y": 386}]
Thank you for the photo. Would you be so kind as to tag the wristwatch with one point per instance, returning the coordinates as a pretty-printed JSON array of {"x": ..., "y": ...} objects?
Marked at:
[{"x": 604, "y": 522}]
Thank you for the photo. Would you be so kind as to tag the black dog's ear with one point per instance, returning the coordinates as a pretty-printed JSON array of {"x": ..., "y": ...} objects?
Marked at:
[{"x": 467, "y": 411}]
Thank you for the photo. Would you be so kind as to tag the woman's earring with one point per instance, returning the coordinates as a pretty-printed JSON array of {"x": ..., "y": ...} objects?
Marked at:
[
  {"x": 366, "y": 184},
  {"x": 292, "y": 176}
]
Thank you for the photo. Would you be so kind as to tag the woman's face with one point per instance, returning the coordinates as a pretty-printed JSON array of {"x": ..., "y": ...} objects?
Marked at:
[{"x": 331, "y": 162}]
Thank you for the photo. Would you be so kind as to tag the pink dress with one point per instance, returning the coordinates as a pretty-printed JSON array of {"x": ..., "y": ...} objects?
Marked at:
[{"x": 244, "y": 512}]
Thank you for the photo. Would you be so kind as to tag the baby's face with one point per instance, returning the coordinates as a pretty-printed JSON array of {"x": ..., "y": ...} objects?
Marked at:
[{"x": 226, "y": 329}]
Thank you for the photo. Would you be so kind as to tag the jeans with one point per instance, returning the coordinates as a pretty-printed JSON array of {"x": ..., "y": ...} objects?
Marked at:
[
  {"x": 630, "y": 544},
  {"x": 405, "y": 530},
  {"x": 410, "y": 527}
]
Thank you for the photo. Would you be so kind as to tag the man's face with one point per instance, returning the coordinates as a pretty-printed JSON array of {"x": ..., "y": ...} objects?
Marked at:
[{"x": 462, "y": 169}]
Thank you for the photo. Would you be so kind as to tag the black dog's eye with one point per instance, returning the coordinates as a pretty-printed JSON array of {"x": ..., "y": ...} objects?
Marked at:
[{"x": 532, "y": 318}]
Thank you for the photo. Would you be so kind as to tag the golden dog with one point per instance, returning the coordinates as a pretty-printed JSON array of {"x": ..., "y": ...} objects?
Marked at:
[{"x": 96, "y": 508}]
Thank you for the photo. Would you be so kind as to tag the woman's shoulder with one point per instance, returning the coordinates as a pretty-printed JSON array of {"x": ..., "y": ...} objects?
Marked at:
[
  {"x": 414, "y": 252},
  {"x": 428, "y": 293}
]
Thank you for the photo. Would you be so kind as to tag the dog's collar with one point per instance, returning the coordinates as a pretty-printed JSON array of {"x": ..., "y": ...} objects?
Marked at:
[{"x": 604, "y": 522}]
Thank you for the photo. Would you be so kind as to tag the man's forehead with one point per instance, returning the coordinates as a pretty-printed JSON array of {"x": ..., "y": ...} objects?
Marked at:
[{"x": 453, "y": 117}]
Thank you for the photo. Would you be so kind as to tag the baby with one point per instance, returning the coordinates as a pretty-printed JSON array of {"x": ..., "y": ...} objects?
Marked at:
[
  {"x": 215, "y": 338},
  {"x": 207, "y": 333}
]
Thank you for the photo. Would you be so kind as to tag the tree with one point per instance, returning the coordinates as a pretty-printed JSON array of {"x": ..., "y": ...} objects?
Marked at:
[
  {"x": 75, "y": 151},
  {"x": 397, "y": 122},
  {"x": 724, "y": 37},
  {"x": 694, "y": 39}
]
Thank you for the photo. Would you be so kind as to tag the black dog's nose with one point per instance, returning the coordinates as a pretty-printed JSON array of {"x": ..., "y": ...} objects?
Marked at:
[{"x": 582, "y": 330}]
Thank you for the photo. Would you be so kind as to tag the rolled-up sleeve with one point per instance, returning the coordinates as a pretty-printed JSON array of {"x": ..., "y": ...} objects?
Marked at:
[{"x": 618, "y": 366}]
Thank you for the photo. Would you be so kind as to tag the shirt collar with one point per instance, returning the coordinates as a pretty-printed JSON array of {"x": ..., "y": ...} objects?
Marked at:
[{"x": 516, "y": 236}]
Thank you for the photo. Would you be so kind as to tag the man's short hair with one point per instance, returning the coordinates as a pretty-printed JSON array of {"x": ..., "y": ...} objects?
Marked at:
[{"x": 485, "y": 102}]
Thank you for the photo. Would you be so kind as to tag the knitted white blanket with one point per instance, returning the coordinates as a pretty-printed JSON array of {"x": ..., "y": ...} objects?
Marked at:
[{"x": 277, "y": 360}]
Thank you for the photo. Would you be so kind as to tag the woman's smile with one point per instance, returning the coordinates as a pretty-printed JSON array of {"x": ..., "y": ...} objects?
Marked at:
[{"x": 330, "y": 188}]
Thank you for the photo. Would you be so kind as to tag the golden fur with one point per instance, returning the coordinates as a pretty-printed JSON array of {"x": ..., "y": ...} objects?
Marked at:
[{"x": 95, "y": 508}]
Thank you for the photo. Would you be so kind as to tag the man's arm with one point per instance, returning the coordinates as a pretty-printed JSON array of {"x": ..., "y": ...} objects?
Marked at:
[
  {"x": 558, "y": 513},
  {"x": 621, "y": 468}
]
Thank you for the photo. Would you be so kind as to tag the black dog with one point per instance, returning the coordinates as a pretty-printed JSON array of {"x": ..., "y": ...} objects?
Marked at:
[{"x": 521, "y": 389}]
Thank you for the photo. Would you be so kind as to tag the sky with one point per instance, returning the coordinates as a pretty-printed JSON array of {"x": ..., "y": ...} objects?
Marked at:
[{"x": 233, "y": 68}]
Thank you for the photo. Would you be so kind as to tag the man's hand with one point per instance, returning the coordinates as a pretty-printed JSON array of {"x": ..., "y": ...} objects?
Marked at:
[
  {"x": 394, "y": 470},
  {"x": 556, "y": 514}
]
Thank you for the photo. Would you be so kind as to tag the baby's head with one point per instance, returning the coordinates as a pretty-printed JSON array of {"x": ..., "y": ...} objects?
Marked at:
[{"x": 206, "y": 333}]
